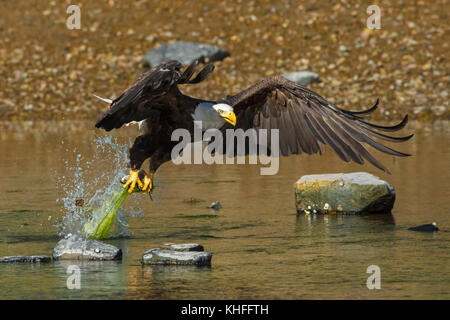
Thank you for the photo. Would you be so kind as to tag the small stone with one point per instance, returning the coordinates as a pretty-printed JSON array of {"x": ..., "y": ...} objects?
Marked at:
[
  {"x": 438, "y": 110},
  {"x": 302, "y": 77},
  {"x": 171, "y": 257},
  {"x": 418, "y": 110},
  {"x": 343, "y": 48},
  {"x": 432, "y": 227},
  {"x": 28, "y": 107},
  {"x": 26, "y": 259},
  {"x": 215, "y": 205},
  {"x": 78, "y": 248}
]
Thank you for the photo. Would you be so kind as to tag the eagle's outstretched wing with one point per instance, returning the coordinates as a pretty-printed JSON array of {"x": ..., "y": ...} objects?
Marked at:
[
  {"x": 155, "y": 91},
  {"x": 306, "y": 121}
]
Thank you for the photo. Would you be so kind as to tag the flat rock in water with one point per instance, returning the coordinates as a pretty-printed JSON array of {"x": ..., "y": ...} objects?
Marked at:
[
  {"x": 184, "y": 52},
  {"x": 183, "y": 246},
  {"x": 171, "y": 257},
  {"x": 78, "y": 248},
  {"x": 26, "y": 259},
  {"x": 302, "y": 77},
  {"x": 347, "y": 193}
]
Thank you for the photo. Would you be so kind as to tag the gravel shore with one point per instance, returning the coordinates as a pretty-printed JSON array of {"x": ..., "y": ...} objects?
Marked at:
[{"x": 50, "y": 72}]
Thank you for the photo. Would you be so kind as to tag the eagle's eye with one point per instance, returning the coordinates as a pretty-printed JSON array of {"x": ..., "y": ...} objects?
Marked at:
[{"x": 220, "y": 111}]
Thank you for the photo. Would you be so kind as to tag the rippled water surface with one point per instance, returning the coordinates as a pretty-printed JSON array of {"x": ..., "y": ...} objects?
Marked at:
[{"x": 261, "y": 247}]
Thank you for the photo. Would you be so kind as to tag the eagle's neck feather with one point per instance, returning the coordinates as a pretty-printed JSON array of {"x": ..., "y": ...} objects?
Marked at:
[{"x": 209, "y": 117}]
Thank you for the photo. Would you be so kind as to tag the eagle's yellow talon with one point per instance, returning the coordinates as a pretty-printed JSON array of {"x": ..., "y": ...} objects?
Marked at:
[
  {"x": 132, "y": 180},
  {"x": 148, "y": 185}
]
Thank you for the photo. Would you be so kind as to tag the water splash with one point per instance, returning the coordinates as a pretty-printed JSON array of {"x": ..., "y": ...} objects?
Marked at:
[{"x": 92, "y": 183}]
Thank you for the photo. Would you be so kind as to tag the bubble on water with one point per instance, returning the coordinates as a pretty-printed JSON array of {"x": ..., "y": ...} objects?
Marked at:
[{"x": 94, "y": 181}]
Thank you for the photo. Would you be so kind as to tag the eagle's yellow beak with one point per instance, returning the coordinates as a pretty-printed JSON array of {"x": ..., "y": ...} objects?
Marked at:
[{"x": 229, "y": 117}]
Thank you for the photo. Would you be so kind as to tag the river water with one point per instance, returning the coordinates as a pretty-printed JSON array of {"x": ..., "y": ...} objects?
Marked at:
[{"x": 261, "y": 248}]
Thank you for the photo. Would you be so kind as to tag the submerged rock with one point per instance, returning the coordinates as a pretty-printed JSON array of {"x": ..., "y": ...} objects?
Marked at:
[
  {"x": 171, "y": 257},
  {"x": 193, "y": 200},
  {"x": 183, "y": 246},
  {"x": 431, "y": 227},
  {"x": 302, "y": 77},
  {"x": 26, "y": 259},
  {"x": 348, "y": 193},
  {"x": 185, "y": 52},
  {"x": 78, "y": 248}
]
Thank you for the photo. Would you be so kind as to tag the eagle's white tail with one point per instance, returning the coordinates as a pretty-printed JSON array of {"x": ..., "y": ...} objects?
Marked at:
[{"x": 104, "y": 99}]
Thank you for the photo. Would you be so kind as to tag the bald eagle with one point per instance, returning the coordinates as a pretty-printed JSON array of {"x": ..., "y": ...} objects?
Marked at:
[{"x": 306, "y": 121}]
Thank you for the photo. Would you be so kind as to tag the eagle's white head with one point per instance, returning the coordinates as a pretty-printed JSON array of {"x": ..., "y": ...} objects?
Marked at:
[
  {"x": 226, "y": 112},
  {"x": 214, "y": 115}
]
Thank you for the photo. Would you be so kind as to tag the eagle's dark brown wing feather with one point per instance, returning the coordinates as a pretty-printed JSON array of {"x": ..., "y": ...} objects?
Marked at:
[
  {"x": 154, "y": 92},
  {"x": 306, "y": 121}
]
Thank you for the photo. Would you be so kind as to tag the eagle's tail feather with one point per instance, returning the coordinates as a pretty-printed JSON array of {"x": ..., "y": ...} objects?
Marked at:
[{"x": 104, "y": 99}]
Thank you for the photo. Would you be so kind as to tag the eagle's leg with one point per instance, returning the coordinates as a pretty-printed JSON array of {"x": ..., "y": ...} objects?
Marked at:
[
  {"x": 157, "y": 159},
  {"x": 139, "y": 152}
]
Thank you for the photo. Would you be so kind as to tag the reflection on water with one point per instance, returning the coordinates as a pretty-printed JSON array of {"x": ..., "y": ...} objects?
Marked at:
[{"x": 261, "y": 247}]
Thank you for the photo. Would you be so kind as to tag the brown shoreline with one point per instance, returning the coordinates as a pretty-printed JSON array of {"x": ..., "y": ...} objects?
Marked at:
[{"x": 48, "y": 72}]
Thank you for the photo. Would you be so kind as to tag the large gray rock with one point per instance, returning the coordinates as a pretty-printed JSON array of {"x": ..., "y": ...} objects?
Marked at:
[
  {"x": 183, "y": 246},
  {"x": 185, "y": 52},
  {"x": 78, "y": 248},
  {"x": 26, "y": 259},
  {"x": 171, "y": 257},
  {"x": 302, "y": 77},
  {"x": 348, "y": 193}
]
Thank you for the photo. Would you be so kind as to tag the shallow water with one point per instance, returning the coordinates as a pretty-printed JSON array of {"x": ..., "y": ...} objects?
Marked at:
[{"x": 261, "y": 247}]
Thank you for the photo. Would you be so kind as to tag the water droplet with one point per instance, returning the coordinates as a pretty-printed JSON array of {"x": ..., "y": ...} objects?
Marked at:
[{"x": 80, "y": 181}]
